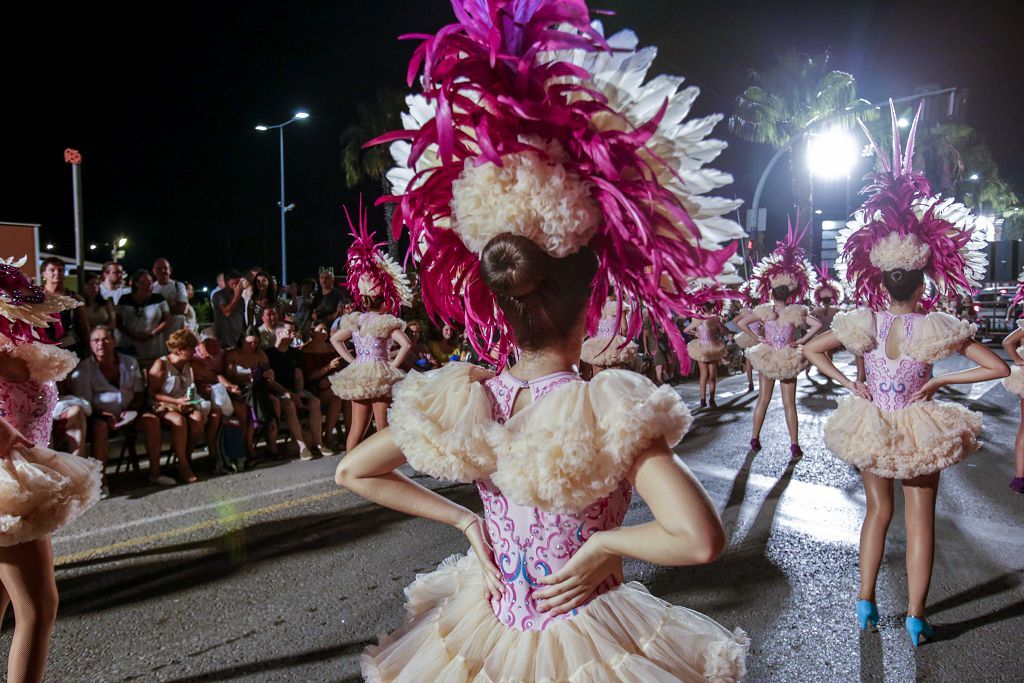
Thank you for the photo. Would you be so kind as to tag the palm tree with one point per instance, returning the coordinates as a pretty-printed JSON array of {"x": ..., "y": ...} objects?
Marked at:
[
  {"x": 783, "y": 102},
  {"x": 361, "y": 165}
]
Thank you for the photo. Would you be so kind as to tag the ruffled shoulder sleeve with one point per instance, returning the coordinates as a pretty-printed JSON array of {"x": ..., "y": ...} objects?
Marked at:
[
  {"x": 937, "y": 336},
  {"x": 1020, "y": 323},
  {"x": 46, "y": 362},
  {"x": 349, "y": 322},
  {"x": 765, "y": 312},
  {"x": 855, "y": 330},
  {"x": 580, "y": 446},
  {"x": 794, "y": 314},
  {"x": 381, "y": 325},
  {"x": 437, "y": 419}
]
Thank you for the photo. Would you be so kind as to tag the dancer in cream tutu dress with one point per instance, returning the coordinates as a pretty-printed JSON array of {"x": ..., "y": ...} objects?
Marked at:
[
  {"x": 381, "y": 288},
  {"x": 608, "y": 348},
  {"x": 40, "y": 490},
  {"x": 531, "y": 246},
  {"x": 784, "y": 277},
  {"x": 742, "y": 339},
  {"x": 890, "y": 428},
  {"x": 828, "y": 296},
  {"x": 1012, "y": 344},
  {"x": 708, "y": 348}
]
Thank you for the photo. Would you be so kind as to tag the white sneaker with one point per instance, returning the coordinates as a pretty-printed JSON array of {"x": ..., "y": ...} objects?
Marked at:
[
  {"x": 305, "y": 453},
  {"x": 104, "y": 492},
  {"x": 162, "y": 480}
]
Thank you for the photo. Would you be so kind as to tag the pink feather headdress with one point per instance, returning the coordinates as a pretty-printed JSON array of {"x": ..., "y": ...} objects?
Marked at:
[
  {"x": 1018, "y": 297},
  {"x": 715, "y": 295},
  {"x": 26, "y": 310},
  {"x": 371, "y": 271},
  {"x": 901, "y": 225},
  {"x": 787, "y": 265},
  {"x": 827, "y": 282},
  {"x": 531, "y": 122}
]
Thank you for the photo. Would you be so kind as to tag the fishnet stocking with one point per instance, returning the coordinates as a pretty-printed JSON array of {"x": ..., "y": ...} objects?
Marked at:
[{"x": 26, "y": 572}]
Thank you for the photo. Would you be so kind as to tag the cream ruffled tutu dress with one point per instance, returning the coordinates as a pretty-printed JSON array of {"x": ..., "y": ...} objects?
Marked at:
[
  {"x": 777, "y": 358},
  {"x": 372, "y": 376},
  {"x": 891, "y": 435},
  {"x": 708, "y": 347},
  {"x": 41, "y": 490},
  {"x": 1015, "y": 382},
  {"x": 607, "y": 348},
  {"x": 550, "y": 476}
]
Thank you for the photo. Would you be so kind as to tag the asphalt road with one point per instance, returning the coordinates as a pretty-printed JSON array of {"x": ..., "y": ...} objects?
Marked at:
[{"x": 276, "y": 574}]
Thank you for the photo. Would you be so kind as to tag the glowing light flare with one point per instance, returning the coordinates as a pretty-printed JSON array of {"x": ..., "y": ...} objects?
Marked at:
[
  {"x": 832, "y": 154},
  {"x": 986, "y": 226},
  {"x": 301, "y": 115}
]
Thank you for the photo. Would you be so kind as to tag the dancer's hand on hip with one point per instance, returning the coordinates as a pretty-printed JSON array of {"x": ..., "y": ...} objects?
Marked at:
[
  {"x": 474, "y": 530},
  {"x": 574, "y": 583},
  {"x": 11, "y": 437}
]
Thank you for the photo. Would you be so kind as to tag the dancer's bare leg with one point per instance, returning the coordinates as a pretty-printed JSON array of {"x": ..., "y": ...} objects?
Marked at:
[
  {"x": 360, "y": 421},
  {"x": 26, "y": 571},
  {"x": 703, "y": 369},
  {"x": 879, "y": 494},
  {"x": 712, "y": 379},
  {"x": 380, "y": 413},
  {"x": 1019, "y": 444},
  {"x": 919, "y": 509},
  {"x": 789, "y": 404},
  {"x": 764, "y": 397}
]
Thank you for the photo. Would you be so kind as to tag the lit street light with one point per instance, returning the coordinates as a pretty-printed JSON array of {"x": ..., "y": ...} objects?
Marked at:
[
  {"x": 974, "y": 176},
  {"x": 902, "y": 123},
  {"x": 285, "y": 208},
  {"x": 49, "y": 246},
  {"x": 832, "y": 154},
  {"x": 92, "y": 246}
]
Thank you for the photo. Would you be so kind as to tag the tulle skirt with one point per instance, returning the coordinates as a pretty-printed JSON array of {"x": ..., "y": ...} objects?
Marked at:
[
  {"x": 705, "y": 353},
  {"x": 627, "y": 634},
  {"x": 42, "y": 490},
  {"x": 366, "y": 381},
  {"x": 923, "y": 438},
  {"x": 745, "y": 341},
  {"x": 784, "y": 363},
  {"x": 607, "y": 353},
  {"x": 1015, "y": 382}
]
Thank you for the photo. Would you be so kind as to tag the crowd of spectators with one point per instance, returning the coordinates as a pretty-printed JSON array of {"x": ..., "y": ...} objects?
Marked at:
[{"x": 245, "y": 383}]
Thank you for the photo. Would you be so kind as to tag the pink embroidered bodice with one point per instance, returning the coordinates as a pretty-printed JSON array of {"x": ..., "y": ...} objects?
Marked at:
[
  {"x": 706, "y": 336},
  {"x": 27, "y": 406},
  {"x": 371, "y": 349},
  {"x": 607, "y": 327},
  {"x": 778, "y": 334},
  {"x": 528, "y": 542},
  {"x": 894, "y": 382}
]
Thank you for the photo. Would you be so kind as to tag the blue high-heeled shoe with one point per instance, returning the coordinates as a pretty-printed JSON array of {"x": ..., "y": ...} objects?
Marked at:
[
  {"x": 918, "y": 629},
  {"x": 867, "y": 614}
]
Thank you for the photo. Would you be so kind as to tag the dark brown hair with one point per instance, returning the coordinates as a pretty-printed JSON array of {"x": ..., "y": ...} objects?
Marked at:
[
  {"x": 541, "y": 296},
  {"x": 901, "y": 284},
  {"x": 371, "y": 304},
  {"x": 782, "y": 293}
]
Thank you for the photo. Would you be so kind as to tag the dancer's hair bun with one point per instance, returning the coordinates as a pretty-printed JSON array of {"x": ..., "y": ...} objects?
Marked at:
[{"x": 512, "y": 265}]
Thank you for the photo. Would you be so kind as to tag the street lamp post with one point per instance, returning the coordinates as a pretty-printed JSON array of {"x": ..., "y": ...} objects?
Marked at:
[{"x": 285, "y": 208}]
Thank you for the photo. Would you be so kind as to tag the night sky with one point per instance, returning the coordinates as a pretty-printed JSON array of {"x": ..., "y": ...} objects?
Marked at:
[{"x": 162, "y": 99}]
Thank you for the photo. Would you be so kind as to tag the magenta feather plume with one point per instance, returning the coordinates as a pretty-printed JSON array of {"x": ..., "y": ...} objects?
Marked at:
[
  {"x": 788, "y": 259},
  {"x": 494, "y": 91},
  {"x": 900, "y": 204},
  {"x": 19, "y": 296},
  {"x": 369, "y": 269}
]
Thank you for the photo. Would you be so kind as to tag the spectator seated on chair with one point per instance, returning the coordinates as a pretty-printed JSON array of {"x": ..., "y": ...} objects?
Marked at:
[
  {"x": 110, "y": 384},
  {"x": 320, "y": 360},
  {"x": 173, "y": 393},
  {"x": 286, "y": 364}
]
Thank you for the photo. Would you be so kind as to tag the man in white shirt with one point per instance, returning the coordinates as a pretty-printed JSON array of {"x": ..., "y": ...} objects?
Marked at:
[
  {"x": 172, "y": 291},
  {"x": 112, "y": 287},
  {"x": 112, "y": 384}
]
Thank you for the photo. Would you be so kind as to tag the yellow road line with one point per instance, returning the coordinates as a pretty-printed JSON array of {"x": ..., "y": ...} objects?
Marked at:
[{"x": 230, "y": 519}]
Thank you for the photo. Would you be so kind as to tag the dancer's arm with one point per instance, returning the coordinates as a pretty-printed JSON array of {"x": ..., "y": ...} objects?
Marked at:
[
  {"x": 813, "y": 325},
  {"x": 692, "y": 327},
  {"x": 338, "y": 339},
  {"x": 404, "y": 346},
  {"x": 369, "y": 470},
  {"x": 686, "y": 530},
  {"x": 989, "y": 367},
  {"x": 744, "y": 324},
  {"x": 1010, "y": 344},
  {"x": 816, "y": 351}
]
